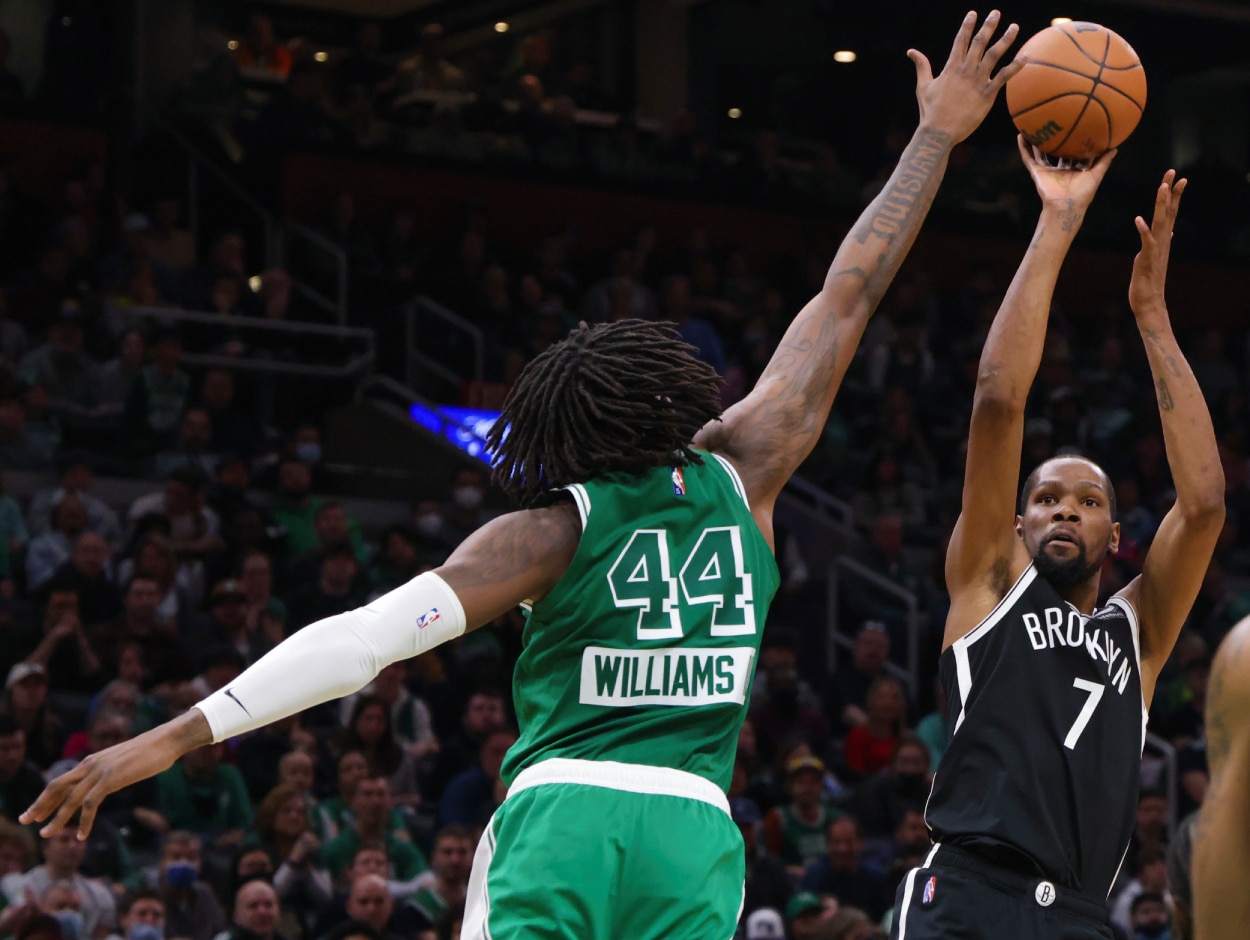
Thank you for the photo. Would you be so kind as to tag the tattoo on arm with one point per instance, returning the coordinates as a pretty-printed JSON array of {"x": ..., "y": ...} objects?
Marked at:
[
  {"x": 1165, "y": 397},
  {"x": 1070, "y": 217},
  {"x": 1155, "y": 340},
  {"x": 894, "y": 216}
]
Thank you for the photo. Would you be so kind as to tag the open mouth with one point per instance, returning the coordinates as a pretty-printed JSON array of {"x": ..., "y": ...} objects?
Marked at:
[{"x": 1063, "y": 537}]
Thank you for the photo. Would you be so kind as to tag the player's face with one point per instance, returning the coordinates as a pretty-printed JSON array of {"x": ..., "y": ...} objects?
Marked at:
[{"x": 1067, "y": 525}]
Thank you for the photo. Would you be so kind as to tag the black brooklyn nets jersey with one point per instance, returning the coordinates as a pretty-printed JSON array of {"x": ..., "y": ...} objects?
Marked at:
[{"x": 1048, "y": 725}]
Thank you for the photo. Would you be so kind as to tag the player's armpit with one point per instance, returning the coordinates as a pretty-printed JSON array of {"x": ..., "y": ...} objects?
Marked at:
[{"x": 517, "y": 557}]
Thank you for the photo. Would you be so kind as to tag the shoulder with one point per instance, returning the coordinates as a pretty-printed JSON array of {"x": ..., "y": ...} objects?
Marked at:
[{"x": 1230, "y": 673}]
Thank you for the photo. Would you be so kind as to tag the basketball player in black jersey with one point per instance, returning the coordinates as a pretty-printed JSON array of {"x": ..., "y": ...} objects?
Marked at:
[{"x": 1033, "y": 805}]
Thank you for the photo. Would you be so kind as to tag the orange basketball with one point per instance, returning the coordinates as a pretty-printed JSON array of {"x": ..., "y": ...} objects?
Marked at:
[{"x": 1081, "y": 93}]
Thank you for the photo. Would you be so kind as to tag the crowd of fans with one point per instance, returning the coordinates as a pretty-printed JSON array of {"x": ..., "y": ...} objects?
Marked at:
[{"x": 357, "y": 819}]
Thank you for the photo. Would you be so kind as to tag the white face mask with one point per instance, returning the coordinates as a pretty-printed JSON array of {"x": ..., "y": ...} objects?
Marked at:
[
  {"x": 429, "y": 524},
  {"x": 467, "y": 497}
]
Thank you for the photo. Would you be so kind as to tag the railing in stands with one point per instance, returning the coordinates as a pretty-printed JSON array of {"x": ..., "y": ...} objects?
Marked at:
[
  {"x": 909, "y": 675},
  {"x": 298, "y": 243},
  {"x": 460, "y": 357},
  {"x": 1168, "y": 753},
  {"x": 356, "y": 361}
]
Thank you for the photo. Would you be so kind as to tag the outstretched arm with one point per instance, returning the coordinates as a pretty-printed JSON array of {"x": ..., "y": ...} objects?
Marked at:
[
  {"x": 1182, "y": 548},
  {"x": 771, "y": 431},
  {"x": 1222, "y": 831},
  {"x": 985, "y": 555},
  {"x": 517, "y": 557}
]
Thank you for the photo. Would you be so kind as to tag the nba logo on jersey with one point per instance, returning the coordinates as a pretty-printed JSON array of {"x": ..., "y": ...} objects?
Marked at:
[
  {"x": 679, "y": 482},
  {"x": 930, "y": 889},
  {"x": 430, "y": 616}
]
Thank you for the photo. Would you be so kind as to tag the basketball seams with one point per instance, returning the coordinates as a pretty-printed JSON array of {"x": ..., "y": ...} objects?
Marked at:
[
  {"x": 1077, "y": 123},
  {"x": 1053, "y": 98},
  {"x": 1085, "y": 52},
  {"x": 1086, "y": 75}
]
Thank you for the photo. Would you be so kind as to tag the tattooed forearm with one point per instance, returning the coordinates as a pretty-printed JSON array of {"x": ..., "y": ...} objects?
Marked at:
[
  {"x": 1070, "y": 218},
  {"x": 888, "y": 227},
  {"x": 1153, "y": 338},
  {"x": 1165, "y": 397}
]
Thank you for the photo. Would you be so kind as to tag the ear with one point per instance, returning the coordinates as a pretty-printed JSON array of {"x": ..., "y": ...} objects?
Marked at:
[
  {"x": 1020, "y": 527},
  {"x": 1113, "y": 545}
]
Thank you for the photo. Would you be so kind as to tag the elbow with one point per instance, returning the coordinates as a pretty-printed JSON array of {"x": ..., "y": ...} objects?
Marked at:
[
  {"x": 993, "y": 399},
  {"x": 1206, "y": 511}
]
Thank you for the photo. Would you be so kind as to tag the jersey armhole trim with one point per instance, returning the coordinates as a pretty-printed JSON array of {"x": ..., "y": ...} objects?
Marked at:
[
  {"x": 734, "y": 478},
  {"x": 1130, "y": 614},
  {"x": 582, "y": 499},
  {"x": 1000, "y": 609}
]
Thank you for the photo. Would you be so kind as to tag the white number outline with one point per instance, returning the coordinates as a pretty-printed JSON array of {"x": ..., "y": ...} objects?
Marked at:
[
  {"x": 743, "y": 602},
  {"x": 1095, "y": 690},
  {"x": 667, "y": 606}
]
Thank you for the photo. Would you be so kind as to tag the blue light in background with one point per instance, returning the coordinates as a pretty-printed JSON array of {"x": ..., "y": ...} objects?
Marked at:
[{"x": 464, "y": 427}]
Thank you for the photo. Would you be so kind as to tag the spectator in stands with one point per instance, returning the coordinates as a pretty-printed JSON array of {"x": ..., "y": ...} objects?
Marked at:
[
  {"x": 259, "y": 754},
  {"x": 932, "y": 728},
  {"x": 698, "y": 332},
  {"x": 158, "y": 397},
  {"x": 870, "y": 746},
  {"x": 18, "y": 449},
  {"x": 64, "y": 648},
  {"x": 155, "y": 559},
  {"x": 194, "y": 527},
  {"x": 410, "y": 722},
  {"x": 333, "y": 592},
  {"x": 434, "y": 538},
  {"x": 399, "y": 561},
  {"x": 767, "y": 881},
  {"x": 13, "y": 534},
  {"x": 87, "y": 569},
  {"x": 227, "y": 624},
  {"x": 1148, "y": 867},
  {"x": 886, "y": 492},
  {"x": 1149, "y": 916},
  {"x": 884, "y": 798},
  {"x": 280, "y": 827},
  {"x": 369, "y": 862},
  {"x": 905, "y": 851},
  {"x": 265, "y": 614},
  {"x": 805, "y": 915},
  {"x": 429, "y": 69},
  {"x": 77, "y": 477},
  {"x": 169, "y": 245},
  {"x": 779, "y": 650},
  {"x": 162, "y": 649},
  {"x": 295, "y": 507},
  {"x": 63, "y": 856},
  {"x": 795, "y": 832},
  {"x": 350, "y": 768},
  {"x": 443, "y": 887},
  {"x": 839, "y": 872},
  {"x": 205, "y": 796},
  {"x": 105, "y": 728},
  {"x": 233, "y": 429},
  {"x": 26, "y": 702},
  {"x": 369, "y": 907},
  {"x": 331, "y": 525},
  {"x": 472, "y": 796},
  {"x": 848, "y": 695},
  {"x": 20, "y": 779},
  {"x": 370, "y": 732},
  {"x": 141, "y": 916},
  {"x": 256, "y": 913},
  {"x": 42, "y": 426},
  {"x": 261, "y": 50},
  {"x": 47, "y": 552},
  {"x": 483, "y": 713},
  {"x": 1151, "y": 828},
  {"x": 192, "y": 911},
  {"x": 783, "y": 714},
  {"x": 191, "y": 449},
  {"x": 464, "y": 513},
  {"x": 60, "y": 366},
  {"x": 370, "y": 823},
  {"x": 17, "y": 856}
]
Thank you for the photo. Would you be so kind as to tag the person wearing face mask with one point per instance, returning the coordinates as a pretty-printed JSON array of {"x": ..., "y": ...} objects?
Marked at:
[
  {"x": 884, "y": 798},
  {"x": 191, "y": 910},
  {"x": 433, "y": 536},
  {"x": 142, "y": 916},
  {"x": 59, "y": 884},
  {"x": 464, "y": 513},
  {"x": 62, "y": 902},
  {"x": 1150, "y": 917}
]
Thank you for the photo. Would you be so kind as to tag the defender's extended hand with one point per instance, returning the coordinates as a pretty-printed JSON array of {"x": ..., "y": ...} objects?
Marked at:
[
  {"x": 113, "y": 769},
  {"x": 959, "y": 98},
  {"x": 1150, "y": 267},
  {"x": 1066, "y": 189}
]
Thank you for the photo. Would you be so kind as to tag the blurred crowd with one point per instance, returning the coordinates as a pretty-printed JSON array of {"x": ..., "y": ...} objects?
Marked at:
[{"x": 358, "y": 819}]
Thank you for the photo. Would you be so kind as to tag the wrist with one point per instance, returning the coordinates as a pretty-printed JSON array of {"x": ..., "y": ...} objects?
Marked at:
[
  {"x": 936, "y": 135},
  {"x": 1152, "y": 319}
]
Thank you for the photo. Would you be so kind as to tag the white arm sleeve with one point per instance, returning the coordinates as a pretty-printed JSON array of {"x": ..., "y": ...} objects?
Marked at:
[{"x": 337, "y": 656}]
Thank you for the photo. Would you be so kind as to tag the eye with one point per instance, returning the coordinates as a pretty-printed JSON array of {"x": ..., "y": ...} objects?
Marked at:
[
  {"x": 1046, "y": 499},
  {"x": 1090, "y": 501}
]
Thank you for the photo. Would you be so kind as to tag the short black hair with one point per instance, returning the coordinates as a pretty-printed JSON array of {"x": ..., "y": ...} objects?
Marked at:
[
  {"x": 1031, "y": 481},
  {"x": 1146, "y": 897}
]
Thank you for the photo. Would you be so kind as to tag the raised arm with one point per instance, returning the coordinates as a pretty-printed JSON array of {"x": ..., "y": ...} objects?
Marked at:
[
  {"x": 771, "y": 431},
  {"x": 985, "y": 554},
  {"x": 517, "y": 557},
  {"x": 1182, "y": 548},
  {"x": 1222, "y": 832}
]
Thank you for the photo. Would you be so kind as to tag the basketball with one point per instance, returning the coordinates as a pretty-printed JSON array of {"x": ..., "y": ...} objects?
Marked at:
[{"x": 1081, "y": 93}]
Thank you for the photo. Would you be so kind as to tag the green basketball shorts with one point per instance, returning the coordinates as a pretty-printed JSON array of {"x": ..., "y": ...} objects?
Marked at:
[{"x": 599, "y": 850}]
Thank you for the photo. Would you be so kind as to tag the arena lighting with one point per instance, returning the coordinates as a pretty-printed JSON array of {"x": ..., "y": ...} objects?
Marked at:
[
  {"x": 1060, "y": 20},
  {"x": 466, "y": 428},
  {"x": 321, "y": 56},
  {"x": 735, "y": 113},
  {"x": 502, "y": 27},
  {"x": 232, "y": 45},
  {"x": 254, "y": 284},
  {"x": 845, "y": 56}
]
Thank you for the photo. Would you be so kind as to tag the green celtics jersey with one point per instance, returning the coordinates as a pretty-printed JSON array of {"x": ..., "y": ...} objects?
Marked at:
[{"x": 645, "y": 650}]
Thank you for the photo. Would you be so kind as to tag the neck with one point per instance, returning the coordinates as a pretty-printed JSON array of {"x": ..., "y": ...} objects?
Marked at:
[
  {"x": 1084, "y": 597},
  {"x": 61, "y": 872},
  {"x": 370, "y": 830},
  {"x": 880, "y": 729},
  {"x": 453, "y": 892}
]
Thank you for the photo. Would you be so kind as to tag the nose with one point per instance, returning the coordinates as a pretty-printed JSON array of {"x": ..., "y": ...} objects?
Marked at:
[{"x": 1065, "y": 513}]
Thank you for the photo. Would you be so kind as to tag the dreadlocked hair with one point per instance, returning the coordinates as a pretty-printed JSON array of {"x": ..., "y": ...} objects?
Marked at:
[{"x": 622, "y": 397}]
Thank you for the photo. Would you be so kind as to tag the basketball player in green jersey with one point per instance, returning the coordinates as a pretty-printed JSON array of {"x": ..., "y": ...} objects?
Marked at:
[{"x": 643, "y": 554}]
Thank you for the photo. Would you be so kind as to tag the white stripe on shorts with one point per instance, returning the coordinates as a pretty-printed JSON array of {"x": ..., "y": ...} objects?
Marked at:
[
  {"x": 909, "y": 889},
  {"x": 477, "y": 898},
  {"x": 614, "y": 775}
]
